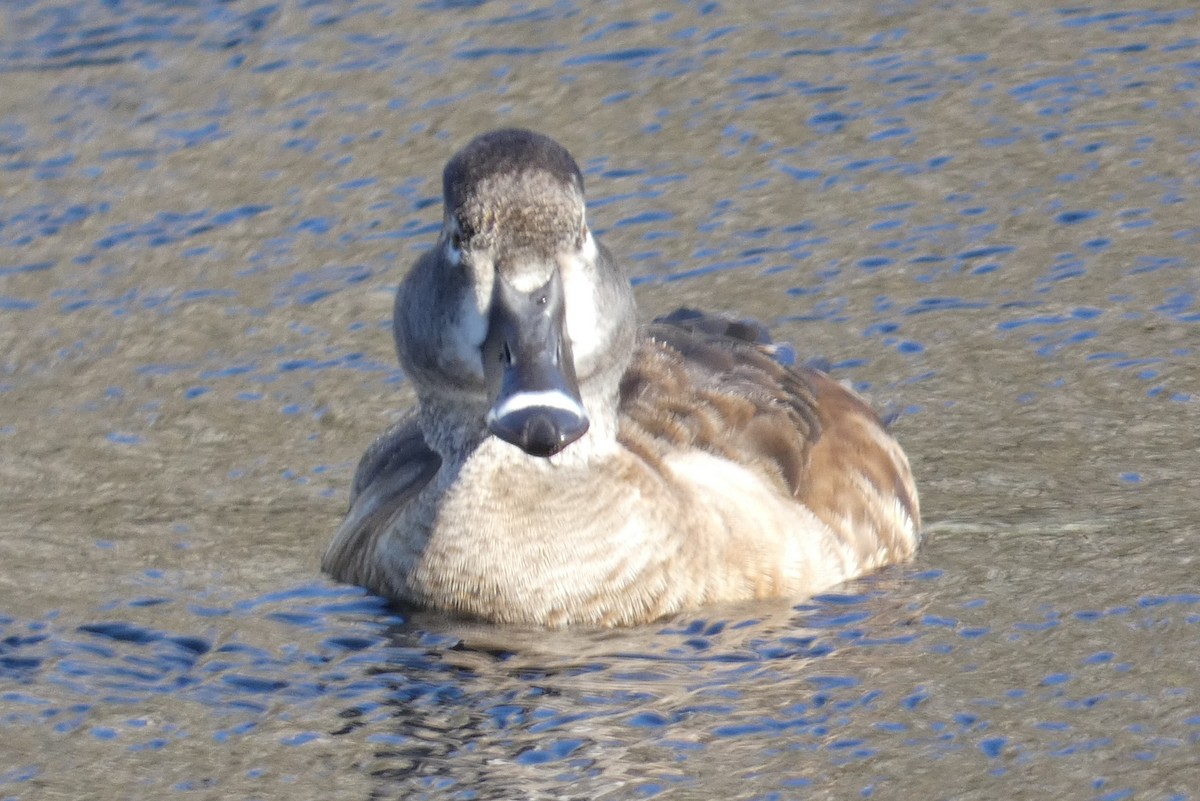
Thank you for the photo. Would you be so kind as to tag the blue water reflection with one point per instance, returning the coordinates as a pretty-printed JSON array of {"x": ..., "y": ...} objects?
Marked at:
[
  {"x": 682, "y": 690},
  {"x": 983, "y": 215}
]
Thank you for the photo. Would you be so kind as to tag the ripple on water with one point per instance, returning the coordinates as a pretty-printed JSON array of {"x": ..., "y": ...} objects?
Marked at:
[
  {"x": 960, "y": 210},
  {"x": 675, "y": 693}
]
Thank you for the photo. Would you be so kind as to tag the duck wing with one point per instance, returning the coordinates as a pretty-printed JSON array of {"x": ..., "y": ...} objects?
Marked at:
[
  {"x": 707, "y": 382},
  {"x": 396, "y": 466}
]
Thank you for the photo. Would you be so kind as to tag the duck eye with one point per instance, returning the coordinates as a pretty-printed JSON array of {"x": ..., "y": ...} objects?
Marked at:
[{"x": 456, "y": 240}]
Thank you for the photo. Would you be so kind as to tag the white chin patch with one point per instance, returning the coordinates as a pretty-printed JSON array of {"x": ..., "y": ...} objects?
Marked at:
[{"x": 552, "y": 399}]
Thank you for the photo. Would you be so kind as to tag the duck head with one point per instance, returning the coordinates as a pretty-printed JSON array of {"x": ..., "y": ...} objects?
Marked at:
[{"x": 518, "y": 307}]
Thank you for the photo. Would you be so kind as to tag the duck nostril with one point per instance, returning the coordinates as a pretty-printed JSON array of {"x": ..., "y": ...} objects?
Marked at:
[{"x": 506, "y": 354}]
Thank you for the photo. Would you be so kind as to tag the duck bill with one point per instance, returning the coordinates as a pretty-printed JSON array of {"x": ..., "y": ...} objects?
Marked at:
[{"x": 530, "y": 372}]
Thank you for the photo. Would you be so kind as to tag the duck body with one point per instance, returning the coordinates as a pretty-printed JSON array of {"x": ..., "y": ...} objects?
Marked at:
[{"x": 565, "y": 466}]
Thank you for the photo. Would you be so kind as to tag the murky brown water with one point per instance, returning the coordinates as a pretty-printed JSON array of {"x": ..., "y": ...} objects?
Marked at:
[{"x": 988, "y": 216}]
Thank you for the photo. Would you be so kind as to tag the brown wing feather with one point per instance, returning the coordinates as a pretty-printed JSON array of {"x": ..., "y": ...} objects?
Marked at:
[
  {"x": 396, "y": 466},
  {"x": 855, "y": 446},
  {"x": 698, "y": 388},
  {"x": 704, "y": 382}
]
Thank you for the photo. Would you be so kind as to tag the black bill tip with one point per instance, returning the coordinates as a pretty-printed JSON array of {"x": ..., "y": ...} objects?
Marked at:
[{"x": 539, "y": 423}]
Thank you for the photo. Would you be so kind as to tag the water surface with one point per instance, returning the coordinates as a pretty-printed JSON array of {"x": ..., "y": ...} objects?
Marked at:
[{"x": 983, "y": 215}]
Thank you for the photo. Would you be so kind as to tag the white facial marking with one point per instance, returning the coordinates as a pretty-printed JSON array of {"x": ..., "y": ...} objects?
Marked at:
[
  {"x": 587, "y": 251},
  {"x": 453, "y": 251},
  {"x": 528, "y": 400},
  {"x": 468, "y": 334},
  {"x": 579, "y": 297},
  {"x": 528, "y": 280},
  {"x": 470, "y": 327}
]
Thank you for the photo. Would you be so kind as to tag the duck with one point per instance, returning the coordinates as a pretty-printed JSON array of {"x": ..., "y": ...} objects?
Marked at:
[{"x": 566, "y": 466}]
